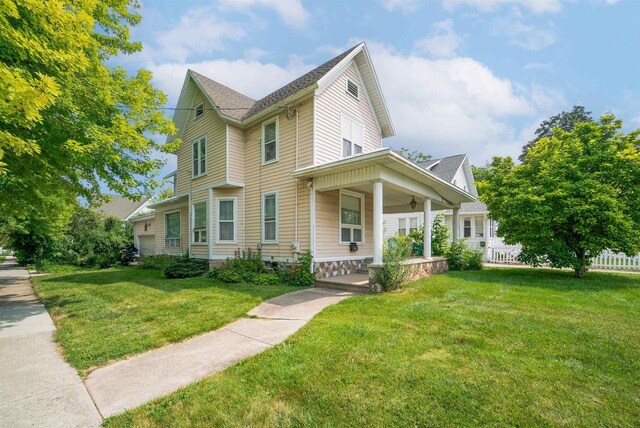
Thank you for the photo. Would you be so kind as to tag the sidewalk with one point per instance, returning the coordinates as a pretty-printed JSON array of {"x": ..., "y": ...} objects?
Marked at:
[
  {"x": 37, "y": 387},
  {"x": 130, "y": 383}
]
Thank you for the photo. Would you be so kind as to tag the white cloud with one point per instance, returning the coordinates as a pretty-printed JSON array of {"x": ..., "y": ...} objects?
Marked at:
[
  {"x": 404, "y": 6},
  {"x": 198, "y": 32},
  {"x": 538, "y": 66},
  {"x": 254, "y": 54},
  {"x": 290, "y": 11},
  {"x": 457, "y": 105},
  {"x": 443, "y": 41},
  {"x": 523, "y": 35},
  {"x": 535, "y": 6}
]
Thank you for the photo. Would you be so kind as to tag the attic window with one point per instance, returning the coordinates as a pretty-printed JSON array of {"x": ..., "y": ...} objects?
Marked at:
[
  {"x": 353, "y": 89},
  {"x": 199, "y": 110}
]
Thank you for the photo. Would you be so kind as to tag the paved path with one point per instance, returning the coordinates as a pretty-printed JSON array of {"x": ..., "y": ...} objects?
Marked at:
[
  {"x": 130, "y": 383},
  {"x": 37, "y": 387}
]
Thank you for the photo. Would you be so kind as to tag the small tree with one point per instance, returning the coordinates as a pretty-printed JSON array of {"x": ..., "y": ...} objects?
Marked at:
[
  {"x": 439, "y": 236},
  {"x": 576, "y": 194},
  {"x": 415, "y": 156}
]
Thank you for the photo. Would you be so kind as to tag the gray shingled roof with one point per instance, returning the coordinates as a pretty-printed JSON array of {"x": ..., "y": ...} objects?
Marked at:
[
  {"x": 445, "y": 168},
  {"x": 297, "y": 85},
  {"x": 232, "y": 103},
  {"x": 119, "y": 206}
]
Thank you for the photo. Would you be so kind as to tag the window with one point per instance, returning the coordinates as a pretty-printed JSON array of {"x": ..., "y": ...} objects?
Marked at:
[
  {"x": 199, "y": 110},
  {"x": 492, "y": 228},
  {"x": 353, "y": 89},
  {"x": 270, "y": 141},
  {"x": 351, "y": 137},
  {"x": 172, "y": 229},
  {"x": 413, "y": 224},
  {"x": 479, "y": 227},
  {"x": 402, "y": 226},
  {"x": 227, "y": 220},
  {"x": 199, "y": 150},
  {"x": 200, "y": 223},
  {"x": 270, "y": 217},
  {"x": 467, "y": 227},
  {"x": 351, "y": 220}
]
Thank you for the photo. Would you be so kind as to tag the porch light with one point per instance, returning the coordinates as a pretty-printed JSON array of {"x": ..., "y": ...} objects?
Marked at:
[{"x": 413, "y": 203}]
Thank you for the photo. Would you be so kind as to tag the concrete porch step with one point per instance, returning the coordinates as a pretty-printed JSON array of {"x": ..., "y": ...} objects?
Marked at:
[{"x": 355, "y": 282}]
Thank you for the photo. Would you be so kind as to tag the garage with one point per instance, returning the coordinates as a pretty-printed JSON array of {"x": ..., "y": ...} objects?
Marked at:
[{"x": 147, "y": 245}]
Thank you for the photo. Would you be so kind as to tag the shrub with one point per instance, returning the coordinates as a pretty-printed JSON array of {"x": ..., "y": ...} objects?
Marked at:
[
  {"x": 393, "y": 272},
  {"x": 183, "y": 267},
  {"x": 156, "y": 262},
  {"x": 212, "y": 273},
  {"x": 297, "y": 274},
  {"x": 462, "y": 258},
  {"x": 439, "y": 236},
  {"x": 243, "y": 267},
  {"x": 266, "y": 279}
]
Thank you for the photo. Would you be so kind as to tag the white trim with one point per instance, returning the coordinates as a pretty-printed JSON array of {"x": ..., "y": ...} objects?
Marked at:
[
  {"x": 315, "y": 128},
  {"x": 360, "y": 196},
  {"x": 312, "y": 223},
  {"x": 193, "y": 222},
  {"x": 341, "y": 259},
  {"x": 198, "y": 140},
  {"x": 188, "y": 226},
  {"x": 234, "y": 199},
  {"x": 267, "y": 193},
  {"x": 325, "y": 81},
  {"x": 226, "y": 165},
  {"x": 207, "y": 187},
  {"x": 137, "y": 210},
  {"x": 275, "y": 119},
  {"x": 356, "y": 84},
  {"x": 210, "y": 223},
  {"x": 164, "y": 219}
]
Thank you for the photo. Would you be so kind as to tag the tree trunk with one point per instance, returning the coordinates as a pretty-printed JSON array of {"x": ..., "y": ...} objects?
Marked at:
[{"x": 581, "y": 272}]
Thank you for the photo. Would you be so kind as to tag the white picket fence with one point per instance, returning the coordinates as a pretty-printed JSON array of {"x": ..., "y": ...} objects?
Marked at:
[{"x": 508, "y": 254}]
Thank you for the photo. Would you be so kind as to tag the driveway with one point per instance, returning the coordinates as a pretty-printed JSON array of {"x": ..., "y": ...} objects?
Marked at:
[{"x": 37, "y": 387}]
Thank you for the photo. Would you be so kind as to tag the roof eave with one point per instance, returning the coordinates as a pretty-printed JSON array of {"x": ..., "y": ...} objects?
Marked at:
[{"x": 269, "y": 110}]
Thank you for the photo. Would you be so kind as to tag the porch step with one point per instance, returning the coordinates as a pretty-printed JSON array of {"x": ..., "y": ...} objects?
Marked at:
[{"x": 355, "y": 282}]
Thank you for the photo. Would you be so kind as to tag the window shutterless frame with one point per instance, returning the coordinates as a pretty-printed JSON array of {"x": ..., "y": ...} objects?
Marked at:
[
  {"x": 270, "y": 213},
  {"x": 467, "y": 227},
  {"x": 226, "y": 220},
  {"x": 199, "y": 157},
  {"x": 352, "y": 228},
  {"x": 199, "y": 234},
  {"x": 270, "y": 141},
  {"x": 479, "y": 226},
  {"x": 172, "y": 229}
]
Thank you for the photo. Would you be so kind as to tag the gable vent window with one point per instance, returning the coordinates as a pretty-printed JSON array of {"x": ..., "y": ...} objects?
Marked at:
[
  {"x": 199, "y": 110},
  {"x": 353, "y": 89}
]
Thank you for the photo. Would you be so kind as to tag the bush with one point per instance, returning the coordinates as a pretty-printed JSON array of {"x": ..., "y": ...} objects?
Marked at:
[
  {"x": 183, "y": 267},
  {"x": 159, "y": 262},
  {"x": 213, "y": 273},
  {"x": 266, "y": 279},
  {"x": 297, "y": 274},
  {"x": 393, "y": 272},
  {"x": 462, "y": 258},
  {"x": 439, "y": 236},
  {"x": 243, "y": 267}
]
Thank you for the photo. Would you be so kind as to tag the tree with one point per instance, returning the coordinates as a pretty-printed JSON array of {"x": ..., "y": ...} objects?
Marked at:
[
  {"x": 68, "y": 123},
  {"x": 165, "y": 193},
  {"x": 414, "y": 156},
  {"x": 576, "y": 194},
  {"x": 564, "y": 120},
  {"x": 480, "y": 173}
]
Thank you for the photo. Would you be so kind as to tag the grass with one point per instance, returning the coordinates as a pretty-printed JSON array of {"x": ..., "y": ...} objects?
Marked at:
[
  {"x": 500, "y": 347},
  {"x": 106, "y": 315}
]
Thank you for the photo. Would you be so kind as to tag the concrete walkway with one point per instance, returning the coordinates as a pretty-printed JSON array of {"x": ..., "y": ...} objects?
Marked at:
[
  {"x": 37, "y": 387},
  {"x": 130, "y": 383}
]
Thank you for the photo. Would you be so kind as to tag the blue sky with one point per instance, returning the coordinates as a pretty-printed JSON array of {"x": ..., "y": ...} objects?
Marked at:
[{"x": 459, "y": 76}]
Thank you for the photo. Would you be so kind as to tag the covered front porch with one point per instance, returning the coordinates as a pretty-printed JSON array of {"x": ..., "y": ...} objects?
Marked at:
[{"x": 349, "y": 198}]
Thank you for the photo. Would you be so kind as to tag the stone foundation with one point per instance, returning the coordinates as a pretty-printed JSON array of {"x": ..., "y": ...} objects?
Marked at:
[
  {"x": 418, "y": 268},
  {"x": 336, "y": 268}
]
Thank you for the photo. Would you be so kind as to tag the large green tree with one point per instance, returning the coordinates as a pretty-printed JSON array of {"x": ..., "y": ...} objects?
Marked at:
[
  {"x": 576, "y": 194},
  {"x": 69, "y": 123}
]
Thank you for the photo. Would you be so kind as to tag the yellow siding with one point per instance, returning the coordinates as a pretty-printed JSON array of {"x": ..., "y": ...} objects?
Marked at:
[
  {"x": 138, "y": 227},
  {"x": 305, "y": 134},
  {"x": 223, "y": 250},
  {"x": 277, "y": 177},
  {"x": 184, "y": 229},
  {"x": 330, "y": 104},
  {"x": 211, "y": 125},
  {"x": 328, "y": 227},
  {"x": 236, "y": 154}
]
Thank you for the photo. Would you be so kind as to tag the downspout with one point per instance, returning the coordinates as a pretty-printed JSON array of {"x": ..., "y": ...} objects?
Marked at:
[{"x": 296, "y": 181}]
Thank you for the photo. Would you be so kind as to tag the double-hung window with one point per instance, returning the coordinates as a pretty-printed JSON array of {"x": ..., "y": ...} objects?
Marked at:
[
  {"x": 402, "y": 226},
  {"x": 479, "y": 227},
  {"x": 467, "y": 227},
  {"x": 351, "y": 217},
  {"x": 492, "y": 228},
  {"x": 199, "y": 152},
  {"x": 270, "y": 217},
  {"x": 200, "y": 223},
  {"x": 351, "y": 137},
  {"x": 227, "y": 220},
  {"x": 413, "y": 224},
  {"x": 270, "y": 141},
  {"x": 172, "y": 229}
]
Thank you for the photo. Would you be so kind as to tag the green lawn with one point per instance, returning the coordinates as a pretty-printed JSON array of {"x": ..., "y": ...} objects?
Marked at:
[
  {"x": 500, "y": 347},
  {"x": 105, "y": 315}
]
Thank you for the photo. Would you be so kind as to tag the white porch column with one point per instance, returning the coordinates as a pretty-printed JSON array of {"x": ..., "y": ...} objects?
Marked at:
[
  {"x": 377, "y": 222},
  {"x": 427, "y": 229},
  {"x": 455, "y": 224}
]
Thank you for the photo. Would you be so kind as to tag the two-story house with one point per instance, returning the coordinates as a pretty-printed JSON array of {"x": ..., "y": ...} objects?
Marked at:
[{"x": 302, "y": 169}]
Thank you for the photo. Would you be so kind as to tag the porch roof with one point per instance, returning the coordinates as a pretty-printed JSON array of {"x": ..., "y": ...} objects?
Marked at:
[
  {"x": 168, "y": 201},
  {"x": 388, "y": 166}
]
